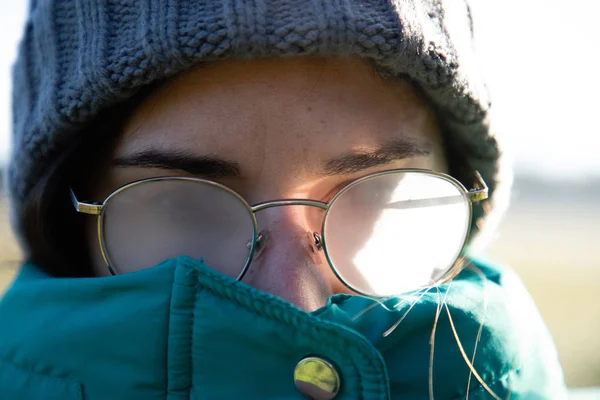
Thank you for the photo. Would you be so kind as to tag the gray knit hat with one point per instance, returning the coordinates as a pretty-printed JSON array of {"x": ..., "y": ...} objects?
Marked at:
[{"x": 79, "y": 57}]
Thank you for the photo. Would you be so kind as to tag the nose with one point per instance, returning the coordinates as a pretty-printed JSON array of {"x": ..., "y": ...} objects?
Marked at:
[{"x": 288, "y": 263}]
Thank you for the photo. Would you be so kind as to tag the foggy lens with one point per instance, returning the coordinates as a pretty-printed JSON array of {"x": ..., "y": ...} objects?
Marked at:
[
  {"x": 397, "y": 232},
  {"x": 150, "y": 222}
]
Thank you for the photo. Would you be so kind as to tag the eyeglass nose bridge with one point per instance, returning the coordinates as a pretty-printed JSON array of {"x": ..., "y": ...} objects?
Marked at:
[
  {"x": 289, "y": 202},
  {"x": 316, "y": 236}
]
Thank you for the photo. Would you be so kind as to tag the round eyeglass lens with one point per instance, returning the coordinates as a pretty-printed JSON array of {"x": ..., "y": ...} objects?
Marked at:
[
  {"x": 149, "y": 222},
  {"x": 393, "y": 233}
]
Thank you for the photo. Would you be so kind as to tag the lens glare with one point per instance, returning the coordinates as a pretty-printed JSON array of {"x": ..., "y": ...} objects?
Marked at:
[
  {"x": 393, "y": 233},
  {"x": 150, "y": 222}
]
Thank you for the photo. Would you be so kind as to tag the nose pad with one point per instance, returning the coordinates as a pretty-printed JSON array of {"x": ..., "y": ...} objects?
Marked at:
[
  {"x": 312, "y": 243},
  {"x": 259, "y": 245},
  {"x": 317, "y": 240}
]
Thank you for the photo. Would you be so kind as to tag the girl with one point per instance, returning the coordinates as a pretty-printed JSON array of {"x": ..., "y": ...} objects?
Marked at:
[{"x": 259, "y": 199}]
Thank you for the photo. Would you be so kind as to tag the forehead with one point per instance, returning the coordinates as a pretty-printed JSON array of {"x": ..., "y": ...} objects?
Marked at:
[{"x": 284, "y": 112}]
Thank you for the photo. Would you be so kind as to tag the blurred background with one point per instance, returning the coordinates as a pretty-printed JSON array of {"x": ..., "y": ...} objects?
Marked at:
[{"x": 541, "y": 61}]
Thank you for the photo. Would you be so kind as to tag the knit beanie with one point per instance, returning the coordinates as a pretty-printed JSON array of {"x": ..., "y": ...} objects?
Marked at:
[{"x": 79, "y": 57}]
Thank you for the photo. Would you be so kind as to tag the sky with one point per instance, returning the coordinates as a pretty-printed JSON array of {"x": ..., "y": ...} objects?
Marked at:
[{"x": 541, "y": 63}]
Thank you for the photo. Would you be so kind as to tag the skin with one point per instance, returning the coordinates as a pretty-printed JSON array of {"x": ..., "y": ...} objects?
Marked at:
[{"x": 281, "y": 121}]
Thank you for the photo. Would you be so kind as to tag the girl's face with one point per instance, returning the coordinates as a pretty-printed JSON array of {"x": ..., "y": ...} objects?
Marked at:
[{"x": 289, "y": 128}]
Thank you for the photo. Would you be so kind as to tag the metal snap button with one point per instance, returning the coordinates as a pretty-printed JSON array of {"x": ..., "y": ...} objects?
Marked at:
[{"x": 316, "y": 379}]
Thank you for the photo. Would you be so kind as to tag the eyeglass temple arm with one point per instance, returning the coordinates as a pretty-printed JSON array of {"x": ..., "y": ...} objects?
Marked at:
[
  {"x": 478, "y": 194},
  {"x": 85, "y": 208}
]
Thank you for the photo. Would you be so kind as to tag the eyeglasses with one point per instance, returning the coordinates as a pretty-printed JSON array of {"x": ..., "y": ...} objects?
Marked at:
[{"x": 383, "y": 234}]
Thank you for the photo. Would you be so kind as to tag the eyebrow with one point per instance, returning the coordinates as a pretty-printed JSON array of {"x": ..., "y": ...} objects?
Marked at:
[
  {"x": 214, "y": 167},
  {"x": 203, "y": 165},
  {"x": 390, "y": 150}
]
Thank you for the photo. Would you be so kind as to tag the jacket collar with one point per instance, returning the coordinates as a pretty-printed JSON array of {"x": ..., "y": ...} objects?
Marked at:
[{"x": 181, "y": 330}]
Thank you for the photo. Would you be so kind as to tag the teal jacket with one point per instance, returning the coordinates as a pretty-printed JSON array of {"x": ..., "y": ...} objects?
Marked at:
[{"x": 182, "y": 331}]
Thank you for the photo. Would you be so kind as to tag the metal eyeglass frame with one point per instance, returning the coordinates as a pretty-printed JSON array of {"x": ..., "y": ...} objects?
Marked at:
[{"x": 473, "y": 195}]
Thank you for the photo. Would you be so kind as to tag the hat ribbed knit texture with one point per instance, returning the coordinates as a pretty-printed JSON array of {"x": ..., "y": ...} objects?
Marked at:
[{"x": 79, "y": 57}]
